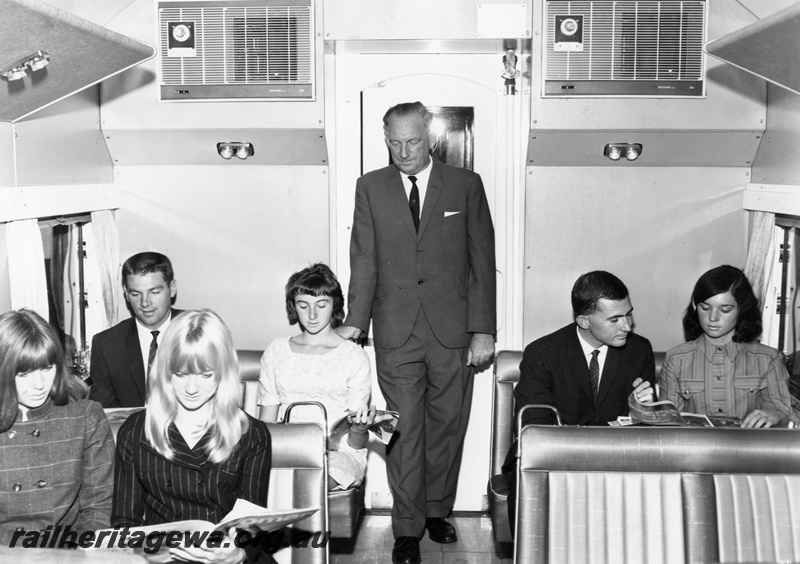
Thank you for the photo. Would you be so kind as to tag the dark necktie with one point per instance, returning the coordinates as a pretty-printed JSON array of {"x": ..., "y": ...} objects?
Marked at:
[
  {"x": 153, "y": 348},
  {"x": 413, "y": 201},
  {"x": 594, "y": 374}
]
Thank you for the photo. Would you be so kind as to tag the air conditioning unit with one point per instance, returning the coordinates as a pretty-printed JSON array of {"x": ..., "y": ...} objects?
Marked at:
[
  {"x": 236, "y": 49},
  {"x": 620, "y": 48}
]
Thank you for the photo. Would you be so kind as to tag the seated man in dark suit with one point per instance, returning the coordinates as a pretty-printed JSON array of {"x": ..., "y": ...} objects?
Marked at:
[
  {"x": 122, "y": 354},
  {"x": 587, "y": 369}
]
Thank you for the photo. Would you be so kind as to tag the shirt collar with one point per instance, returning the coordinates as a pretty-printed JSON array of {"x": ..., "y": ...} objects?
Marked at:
[
  {"x": 145, "y": 332},
  {"x": 586, "y": 347},
  {"x": 422, "y": 176},
  {"x": 709, "y": 349},
  {"x": 38, "y": 412}
]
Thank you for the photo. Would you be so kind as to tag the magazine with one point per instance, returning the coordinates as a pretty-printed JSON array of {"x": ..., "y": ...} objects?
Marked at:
[
  {"x": 154, "y": 540},
  {"x": 118, "y": 415},
  {"x": 382, "y": 429},
  {"x": 666, "y": 413},
  {"x": 244, "y": 515}
]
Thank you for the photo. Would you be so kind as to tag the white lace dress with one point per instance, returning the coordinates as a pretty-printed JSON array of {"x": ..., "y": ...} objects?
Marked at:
[{"x": 340, "y": 380}]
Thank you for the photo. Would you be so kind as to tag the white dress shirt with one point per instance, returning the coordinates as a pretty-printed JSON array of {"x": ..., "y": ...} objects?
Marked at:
[
  {"x": 587, "y": 353},
  {"x": 422, "y": 183}
]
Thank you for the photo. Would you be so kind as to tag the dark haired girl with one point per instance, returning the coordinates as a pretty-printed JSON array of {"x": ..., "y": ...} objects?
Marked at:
[
  {"x": 320, "y": 365},
  {"x": 56, "y": 447},
  {"x": 722, "y": 370}
]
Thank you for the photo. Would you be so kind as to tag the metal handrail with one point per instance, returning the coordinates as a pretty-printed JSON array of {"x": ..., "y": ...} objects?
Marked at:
[
  {"x": 535, "y": 406},
  {"x": 289, "y": 408}
]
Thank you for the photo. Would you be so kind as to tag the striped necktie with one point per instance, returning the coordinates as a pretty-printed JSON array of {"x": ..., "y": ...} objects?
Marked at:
[{"x": 594, "y": 374}]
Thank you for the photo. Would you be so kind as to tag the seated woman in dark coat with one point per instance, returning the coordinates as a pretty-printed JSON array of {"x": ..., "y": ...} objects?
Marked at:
[
  {"x": 192, "y": 452},
  {"x": 56, "y": 447},
  {"x": 722, "y": 370}
]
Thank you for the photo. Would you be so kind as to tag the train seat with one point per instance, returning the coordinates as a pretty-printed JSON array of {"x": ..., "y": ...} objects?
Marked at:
[
  {"x": 657, "y": 495},
  {"x": 344, "y": 506},
  {"x": 506, "y": 376},
  {"x": 299, "y": 478}
]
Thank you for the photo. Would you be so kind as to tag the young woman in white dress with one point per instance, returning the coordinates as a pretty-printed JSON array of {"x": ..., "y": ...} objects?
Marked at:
[{"x": 319, "y": 365}]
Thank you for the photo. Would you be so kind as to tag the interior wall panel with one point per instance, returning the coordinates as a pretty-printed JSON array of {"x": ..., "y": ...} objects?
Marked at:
[
  {"x": 5, "y": 282},
  {"x": 7, "y": 155},
  {"x": 657, "y": 229},
  {"x": 62, "y": 144},
  {"x": 778, "y": 157},
  {"x": 234, "y": 236}
]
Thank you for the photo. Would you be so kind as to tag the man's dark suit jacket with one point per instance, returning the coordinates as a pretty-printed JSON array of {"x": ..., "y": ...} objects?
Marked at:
[
  {"x": 117, "y": 368},
  {"x": 448, "y": 267},
  {"x": 554, "y": 371}
]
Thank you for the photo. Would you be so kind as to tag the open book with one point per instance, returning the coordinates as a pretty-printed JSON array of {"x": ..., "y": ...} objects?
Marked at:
[
  {"x": 666, "y": 413},
  {"x": 383, "y": 429}
]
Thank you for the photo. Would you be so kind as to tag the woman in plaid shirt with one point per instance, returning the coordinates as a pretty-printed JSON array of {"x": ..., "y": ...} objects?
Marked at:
[{"x": 722, "y": 369}]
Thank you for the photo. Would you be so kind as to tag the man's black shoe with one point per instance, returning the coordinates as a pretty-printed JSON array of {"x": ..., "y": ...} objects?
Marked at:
[
  {"x": 406, "y": 551},
  {"x": 440, "y": 530}
]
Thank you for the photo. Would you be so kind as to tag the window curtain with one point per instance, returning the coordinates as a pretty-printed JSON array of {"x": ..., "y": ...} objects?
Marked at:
[
  {"x": 106, "y": 239},
  {"x": 58, "y": 258},
  {"x": 28, "y": 279},
  {"x": 761, "y": 260}
]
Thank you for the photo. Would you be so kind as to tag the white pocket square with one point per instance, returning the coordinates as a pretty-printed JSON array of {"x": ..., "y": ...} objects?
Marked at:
[{"x": 448, "y": 214}]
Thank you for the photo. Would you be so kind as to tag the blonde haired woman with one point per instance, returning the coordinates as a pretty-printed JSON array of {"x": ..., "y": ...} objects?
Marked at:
[{"x": 192, "y": 452}]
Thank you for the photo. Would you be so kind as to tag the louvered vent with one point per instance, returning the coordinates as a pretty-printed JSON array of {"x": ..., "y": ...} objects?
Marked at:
[
  {"x": 624, "y": 48},
  {"x": 246, "y": 49}
]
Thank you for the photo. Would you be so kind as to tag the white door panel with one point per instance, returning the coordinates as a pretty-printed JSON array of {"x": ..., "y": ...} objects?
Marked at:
[{"x": 366, "y": 86}]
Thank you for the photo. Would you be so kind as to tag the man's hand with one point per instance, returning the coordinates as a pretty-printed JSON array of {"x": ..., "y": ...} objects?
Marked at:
[
  {"x": 481, "y": 349},
  {"x": 349, "y": 333},
  {"x": 761, "y": 418},
  {"x": 643, "y": 391}
]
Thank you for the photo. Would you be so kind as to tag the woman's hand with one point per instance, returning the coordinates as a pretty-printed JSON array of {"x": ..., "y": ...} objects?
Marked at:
[
  {"x": 362, "y": 419},
  {"x": 360, "y": 422},
  {"x": 761, "y": 419},
  {"x": 226, "y": 553}
]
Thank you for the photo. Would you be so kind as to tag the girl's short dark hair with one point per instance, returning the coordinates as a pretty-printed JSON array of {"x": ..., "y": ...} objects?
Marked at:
[
  {"x": 719, "y": 280},
  {"x": 28, "y": 343},
  {"x": 316, "y": 280}
]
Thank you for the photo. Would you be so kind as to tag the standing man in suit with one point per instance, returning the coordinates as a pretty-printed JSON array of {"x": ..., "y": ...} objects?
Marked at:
[
  {"x": 423, "y": 270},
  {"x": 122, "y": 354},
  {"x": 587, "y": 369}
]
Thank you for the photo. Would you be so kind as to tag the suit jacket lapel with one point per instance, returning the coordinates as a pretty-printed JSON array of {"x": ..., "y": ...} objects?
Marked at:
[
  {"x": 133, "y": 355},
  {"x": 435, "y": 186},
  {"x": 578, "y": 366},
  {"x": 400, "y": 201}
]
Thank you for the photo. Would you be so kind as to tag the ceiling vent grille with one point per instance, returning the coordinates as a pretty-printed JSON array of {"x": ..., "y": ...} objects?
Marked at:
[
  {"x": 242, "y": 49},
  {"x": 624, "y": 48}
]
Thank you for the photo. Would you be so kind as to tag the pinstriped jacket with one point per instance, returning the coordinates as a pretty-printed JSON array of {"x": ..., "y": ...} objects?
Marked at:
[
  {"x": 151, "y": 489},
  {"x": 56, "y": 468}
]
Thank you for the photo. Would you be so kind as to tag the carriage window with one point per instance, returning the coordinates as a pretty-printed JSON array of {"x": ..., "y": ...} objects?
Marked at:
[
  {"x": 787, "y": 304},
  {"x": 72, "y": 286}
]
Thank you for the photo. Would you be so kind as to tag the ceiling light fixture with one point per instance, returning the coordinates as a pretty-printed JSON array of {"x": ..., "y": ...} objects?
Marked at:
[
  {"x": 615, "y": 151},
  {"x": 33, "y": 62},
  {"x": 227, "y": 149}
]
